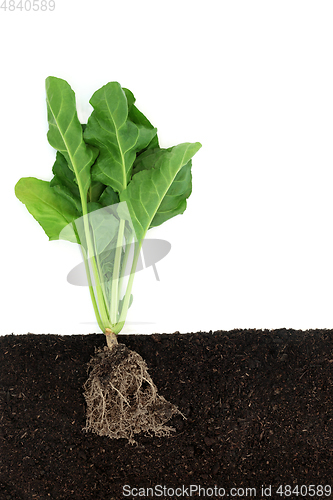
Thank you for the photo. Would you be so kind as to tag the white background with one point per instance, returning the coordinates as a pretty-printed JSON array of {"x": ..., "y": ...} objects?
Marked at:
[{"x": 253, "y": 82}]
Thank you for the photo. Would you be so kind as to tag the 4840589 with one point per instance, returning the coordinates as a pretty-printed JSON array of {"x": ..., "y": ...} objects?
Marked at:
[{"x": 28, "y": 5}]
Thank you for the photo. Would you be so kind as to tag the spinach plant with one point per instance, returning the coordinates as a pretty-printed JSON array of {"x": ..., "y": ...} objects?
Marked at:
[{"x": 111, "y": 183}]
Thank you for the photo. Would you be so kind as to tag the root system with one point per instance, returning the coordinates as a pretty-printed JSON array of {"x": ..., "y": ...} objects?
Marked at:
[{"x": 122, "y": 400}]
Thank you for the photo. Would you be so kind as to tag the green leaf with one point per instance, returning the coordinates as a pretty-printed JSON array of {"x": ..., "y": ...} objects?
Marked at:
[
  {"x": 148, "y": 159},
  {"x": 109, "y": 197},
  {"x": 52, "y": 211},
  {"x": 64, "y": 182},
  {"x": 117, "y": 138},
  {"x": 174, "y": 202},
  {"x": 92, "y": 206},
  {"x": 148, "y": 191},
  {"x": 139, "y": 118},
  {"x": 104, "y": 228},
  {"x": 65, "y": 131},
  {"x": 95, "y": 190}
]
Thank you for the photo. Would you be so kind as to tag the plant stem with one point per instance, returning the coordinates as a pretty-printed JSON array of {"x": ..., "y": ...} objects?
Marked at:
[
  {"x": 111, "y": 338},
  {"x": 124, "y": 309},
  {"x": 91, "y": 290},
  {"x": 123, "y": 268},
  {"x": 100, "y": 296},
  {"x": 115, "y": 275},
  {"x": 101, "y": 277}
]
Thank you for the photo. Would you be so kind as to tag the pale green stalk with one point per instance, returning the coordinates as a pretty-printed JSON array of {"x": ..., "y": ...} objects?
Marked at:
[
  {"x": 100, "y": 295},
  {"x": 100, "y": 280},
  {"x": 124, "y": 309},
  {"x": 115, "y": 275},
  {"x": 91, "y": 290},
  {"x": 123, "y": 268}
]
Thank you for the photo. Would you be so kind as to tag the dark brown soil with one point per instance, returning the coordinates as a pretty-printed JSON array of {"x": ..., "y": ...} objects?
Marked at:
[{"x": 259, "y": 408}]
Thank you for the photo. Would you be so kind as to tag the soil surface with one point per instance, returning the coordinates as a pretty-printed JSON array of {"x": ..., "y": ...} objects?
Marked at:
[{"x": 258, "y": 407}]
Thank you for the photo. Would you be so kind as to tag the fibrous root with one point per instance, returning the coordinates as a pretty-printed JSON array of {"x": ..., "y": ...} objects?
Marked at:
[{"x": 122, "y": 400}]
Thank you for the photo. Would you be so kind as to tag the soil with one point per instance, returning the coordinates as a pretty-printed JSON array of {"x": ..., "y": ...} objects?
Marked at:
[{"x": 258, "y": 407}]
